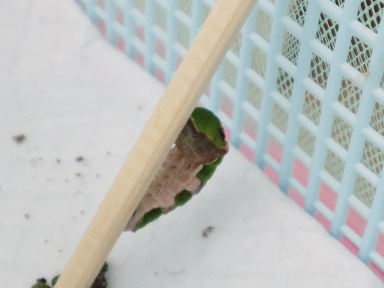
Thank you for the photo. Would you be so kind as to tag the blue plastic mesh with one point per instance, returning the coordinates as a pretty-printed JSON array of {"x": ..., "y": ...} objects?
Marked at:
[{"x": 300, "y": 92}]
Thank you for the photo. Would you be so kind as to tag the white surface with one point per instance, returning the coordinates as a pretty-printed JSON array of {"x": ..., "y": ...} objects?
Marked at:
[{"x": 73, "y": 95}]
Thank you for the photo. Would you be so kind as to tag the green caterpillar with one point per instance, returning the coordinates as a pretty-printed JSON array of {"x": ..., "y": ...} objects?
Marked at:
[{"x": 198, "y": 150}]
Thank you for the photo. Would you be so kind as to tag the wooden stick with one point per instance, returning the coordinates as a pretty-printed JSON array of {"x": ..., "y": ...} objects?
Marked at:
[{"x": 170, "y": 115}]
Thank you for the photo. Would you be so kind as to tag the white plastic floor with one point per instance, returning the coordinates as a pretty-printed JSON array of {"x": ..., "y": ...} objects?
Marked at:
[{"x": 72, "y": 95}]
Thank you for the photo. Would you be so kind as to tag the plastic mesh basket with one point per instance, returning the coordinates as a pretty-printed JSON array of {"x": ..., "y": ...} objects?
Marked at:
[{"x": 301, "y": 93}]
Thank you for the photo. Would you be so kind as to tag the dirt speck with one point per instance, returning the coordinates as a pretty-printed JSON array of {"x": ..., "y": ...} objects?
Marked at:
[
  {"x": 208, "y": 230},
  {"x": 79, "y": 159},
  {"x": 20, "y": 138}
]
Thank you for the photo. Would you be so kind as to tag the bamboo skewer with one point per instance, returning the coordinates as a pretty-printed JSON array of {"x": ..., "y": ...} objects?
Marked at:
[{"x": 178, "y": 101}]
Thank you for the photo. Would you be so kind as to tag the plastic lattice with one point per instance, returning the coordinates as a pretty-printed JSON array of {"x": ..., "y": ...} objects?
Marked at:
[
  {"x": 291, "y": 47},
  {"x": 327, "y": 31},
  {"x": 300, "y": 92},
  {"x": 285, "y": 84},
  {"x": 364, "y": 191},
  {"x": 341, "y": 132},
  {"x": 377, "y": 117},
  {"x": 306, "y": 141},
  {"x": 349, "y": 95}
]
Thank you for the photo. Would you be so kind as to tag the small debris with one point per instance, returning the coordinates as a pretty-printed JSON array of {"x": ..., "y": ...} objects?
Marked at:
[
  {"x": 79, "y": 159},
  {"x": 207, "y": 231},
  {"x": 78, "y": 174},
  {"x": 58, "y": 161},
  {"x": 26, "y": 216},
  {"x": 19, "y": 138}
]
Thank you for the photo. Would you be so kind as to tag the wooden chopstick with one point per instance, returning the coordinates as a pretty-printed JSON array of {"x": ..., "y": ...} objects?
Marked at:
[{"x": 177, "y": 103}]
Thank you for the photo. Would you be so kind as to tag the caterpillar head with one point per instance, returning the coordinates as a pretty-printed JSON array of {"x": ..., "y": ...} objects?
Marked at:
[{"x": 202, "y": 137}]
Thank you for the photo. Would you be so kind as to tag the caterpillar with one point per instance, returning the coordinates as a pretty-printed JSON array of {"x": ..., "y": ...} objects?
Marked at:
[{"x": 191, "y": 162}]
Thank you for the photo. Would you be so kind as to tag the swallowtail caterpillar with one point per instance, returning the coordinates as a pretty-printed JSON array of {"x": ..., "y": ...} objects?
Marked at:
[{"x": 191, "y": 162}]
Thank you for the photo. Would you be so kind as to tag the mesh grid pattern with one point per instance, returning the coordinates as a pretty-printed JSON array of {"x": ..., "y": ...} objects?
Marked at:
[
  {"x": 327, "y": 31},
  {"x": 339, "y": 2},
  {"x": 279, "y": 118},
  {"x": 373, "y": 158},
  {"x": 183, "y": 35},
  {"x": 259, "y": 61},
  {"x": 285, "y": 83},
  {"x": 312, "y": 107},
  {"x": 341, "y": 132},
  {"x": 319, "y": 71},
  {"x": 254, "y": 95},
  {"x": 291, "y": 47},
  {"x": 349, "y": 95},
  {"x": 334, "y": 165},
  {"x": 264, "y": 25},
  {"x": 306, "y": 141},
  {"x": 296, "y": 10},
  {"x": 377, "y": 122},
  {"x": 185, "y": 6},
  {"x": 370, "y": 14},
  {"x": 364, "y": 191},
  {"x": 315, "y": 85},
  {"x": 235, "y": 48},
  {"x": 160, "y": 17},
  {"x": 229, "y": 73},
  {"x": 359, "y": 55}
]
